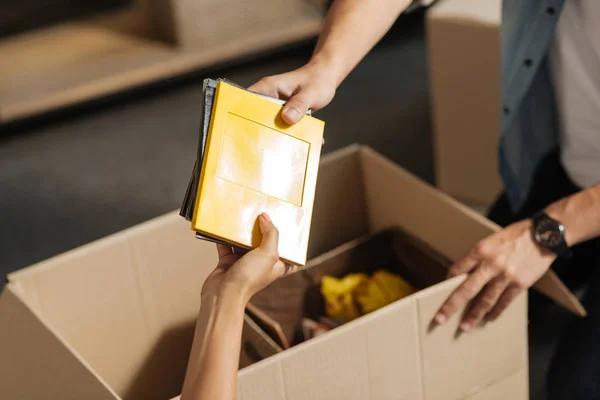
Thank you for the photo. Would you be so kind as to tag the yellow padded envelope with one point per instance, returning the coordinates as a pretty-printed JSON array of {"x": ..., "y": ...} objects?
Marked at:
[{"x": 254, "y": 162}]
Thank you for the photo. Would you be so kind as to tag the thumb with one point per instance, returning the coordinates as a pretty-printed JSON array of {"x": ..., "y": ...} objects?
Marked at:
[
  {"x": 270, "y": 235},
  {"x": 296, "y": 107}
]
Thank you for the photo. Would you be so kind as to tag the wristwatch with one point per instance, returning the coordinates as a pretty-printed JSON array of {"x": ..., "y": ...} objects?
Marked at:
[{"x": 550, "y": 234}]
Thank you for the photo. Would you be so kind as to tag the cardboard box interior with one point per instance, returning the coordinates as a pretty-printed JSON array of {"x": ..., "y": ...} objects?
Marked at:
[
  {"x": 114, "y": 319},
  {"x": 286, "y": 301}
]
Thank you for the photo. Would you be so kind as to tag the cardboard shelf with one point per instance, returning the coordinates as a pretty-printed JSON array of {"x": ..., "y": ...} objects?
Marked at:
[{"x": 75, "y": 62}]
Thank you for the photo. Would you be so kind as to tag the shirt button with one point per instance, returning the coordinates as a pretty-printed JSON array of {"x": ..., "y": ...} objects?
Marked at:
[
  {"x": 528, "y": 62},
  {"x": 550, "y": 10},
  {"x": 506, "y": 110}
]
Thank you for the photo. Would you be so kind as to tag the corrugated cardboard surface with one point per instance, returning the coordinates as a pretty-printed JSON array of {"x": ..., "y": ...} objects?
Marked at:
[
  {"x": 125, "y": 305},
  {"x": 35, "y": 364},
  {"x": 281, "y": 306},
  {"x": 435, "y": 362},
  {"x": 468, "y": 363},
  {"x": 114, "y": 319},
  {"x": 394, "y": 353},
  {"x": 515, "y": 387},
  {"x": 464, "y": 62},
  {"x": 375, "y": 357}
]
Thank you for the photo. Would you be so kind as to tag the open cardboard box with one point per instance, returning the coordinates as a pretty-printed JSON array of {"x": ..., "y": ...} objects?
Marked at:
[
  {"x": 111, "y": 320},
  {"x": 114, "y": 319},
  {"x": 280, "y": 307}
]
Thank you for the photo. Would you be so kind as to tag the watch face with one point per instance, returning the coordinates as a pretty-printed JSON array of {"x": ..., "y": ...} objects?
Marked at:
[{"x": 549, "y": 233}]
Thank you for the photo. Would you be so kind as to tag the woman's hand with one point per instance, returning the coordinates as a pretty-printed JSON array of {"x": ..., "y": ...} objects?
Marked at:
[
  {"x": 309, "y": 87},
  {"x": 215, "y": 353},
  {"x": 245, "y": 275},
  {"x": 500, "y": 266}
]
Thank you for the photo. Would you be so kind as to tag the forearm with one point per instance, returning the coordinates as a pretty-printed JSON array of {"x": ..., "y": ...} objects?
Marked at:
[
  {"x": 580, "y": 215},
  {"x": 214, "y": 358},
  {"x": 351, "y": 29}
]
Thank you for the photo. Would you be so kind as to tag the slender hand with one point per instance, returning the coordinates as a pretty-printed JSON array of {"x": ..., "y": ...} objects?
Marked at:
[
  {"x": 213, "y": 364},
  {"x": 510, "y": 261},
  {"x": 351, "y": 29}
]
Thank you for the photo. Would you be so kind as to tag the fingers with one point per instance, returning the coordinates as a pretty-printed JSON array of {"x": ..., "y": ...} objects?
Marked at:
[
  {"x": 462, "y": 266},
  {"x": 294, "y": 109},
  {"x": 464, "y": 293},
  {"x": 265, "y": 86},
  {"x": 270, "y": 237},
  {"x": 269, "y": 245},
  {"x": 297, "y": 106},
  {"x": 486, "y": 301},
  {"x": 507, "y": 297},
  {"x": 223, "y": 250}
]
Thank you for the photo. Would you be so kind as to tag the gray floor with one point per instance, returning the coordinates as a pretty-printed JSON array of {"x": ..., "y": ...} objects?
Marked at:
[{"x": 70, "y": 180}]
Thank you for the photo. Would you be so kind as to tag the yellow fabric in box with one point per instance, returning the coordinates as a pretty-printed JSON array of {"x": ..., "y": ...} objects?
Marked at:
[{"x": 358, "y": 294}]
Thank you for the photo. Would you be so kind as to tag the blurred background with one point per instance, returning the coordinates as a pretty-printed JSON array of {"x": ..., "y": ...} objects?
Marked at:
[
  {"x": 99, "y": 107},
  {"x": 72, "y": 174}
]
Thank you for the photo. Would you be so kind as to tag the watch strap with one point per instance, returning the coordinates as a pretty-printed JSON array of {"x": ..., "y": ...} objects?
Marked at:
[
  {"x": 539, "y": 216},
  {"x": 562, "y": 250}
]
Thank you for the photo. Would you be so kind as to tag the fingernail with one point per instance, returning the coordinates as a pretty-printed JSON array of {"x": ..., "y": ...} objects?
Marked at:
[
  {"x": 465, "y": 327},
  {"x": 292, "y": 114},
  {"x": 266, "y": 216},
  {"x": 440, "y": 319}
]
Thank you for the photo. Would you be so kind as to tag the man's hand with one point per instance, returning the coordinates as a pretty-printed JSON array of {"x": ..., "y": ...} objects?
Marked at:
[
  {"x": 309, "y": 87},
  {"x": 246, "y": 275},
  {"x": 500, "y": 267}
]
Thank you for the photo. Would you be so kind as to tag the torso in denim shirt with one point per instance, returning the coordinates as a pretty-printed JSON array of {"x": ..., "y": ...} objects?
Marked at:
[{"x": 529, "y": 128}]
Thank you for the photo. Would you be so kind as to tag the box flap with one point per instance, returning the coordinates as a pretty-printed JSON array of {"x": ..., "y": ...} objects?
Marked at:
[
  {"x": 144, "y": 287},
  {"x": 551, "y": 285},
  {"x": 35, "y": 361},
  {"x": 515, "y": 387},
  {"x": 339, "y": 208},
  {"x": 256, "y": 344},
  {"x": 360, "y": 360},
  {"x": 456, "y": 366},
  {"x": 448, "y": 226}
]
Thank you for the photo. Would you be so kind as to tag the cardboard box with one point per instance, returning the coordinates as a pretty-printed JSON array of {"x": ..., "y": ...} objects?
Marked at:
[
  {"x": 464, "y": 69},
  {"x": 280, "y": 307},
  {"x": 113, "y": 319}
]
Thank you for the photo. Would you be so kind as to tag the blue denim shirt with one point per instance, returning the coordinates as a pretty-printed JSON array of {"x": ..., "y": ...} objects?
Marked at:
[{"x": 529, "y": 126}]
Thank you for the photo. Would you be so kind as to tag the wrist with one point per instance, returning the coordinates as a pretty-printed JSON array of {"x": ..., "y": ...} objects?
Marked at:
[
  {"x": 226, "y": 295},
  {"x": 328, "y": 64}
]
